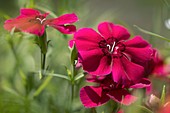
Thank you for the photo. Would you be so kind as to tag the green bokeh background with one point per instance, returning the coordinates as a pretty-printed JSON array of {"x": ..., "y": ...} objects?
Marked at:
[{"x": 20, "y": 56}]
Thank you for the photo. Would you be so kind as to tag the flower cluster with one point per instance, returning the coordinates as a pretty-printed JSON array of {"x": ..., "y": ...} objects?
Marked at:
[
  {"x": 113, "y": 62},
  {"x": 111, "y": 55}
]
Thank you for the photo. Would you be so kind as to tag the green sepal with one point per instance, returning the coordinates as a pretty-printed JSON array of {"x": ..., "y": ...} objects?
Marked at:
[
  {"x": 74, "y": 55},
  {"x": 43, "y": 43}
]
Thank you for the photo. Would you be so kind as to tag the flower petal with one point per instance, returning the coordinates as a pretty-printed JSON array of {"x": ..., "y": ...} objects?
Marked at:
[
  {"x": 139, "y": 50},
  {"x": 137, "y": 42},
  {"x": 142, "y": 84},
  {"x": 108, "y": 29},
  {"x": 93, "y": 96},
  {"x": 61, "y": 20},
  {"x": 23, "y": 23},
  {"x": 65, "y": 29},
  {"x": 87, "y": 39},
  {"x": 125, "y": 71},
  {"x": 71, "y": 43},
  {"x": 122, "y": 96},
  {"x": 29, "y": 12},
  {"x": 95, "y": 63}
]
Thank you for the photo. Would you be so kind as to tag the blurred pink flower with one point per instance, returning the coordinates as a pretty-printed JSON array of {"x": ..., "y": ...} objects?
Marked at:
[
  {"x": 120, "y": 111},
  {"x": 109, "y": 52},
  {"x": 157, "y": 65},
  {"x": 161, "y": 68},
  {"x": 93, "y": 96},
  {"x": 165, "y": 108},
  {"x": 32, "y": 21}
]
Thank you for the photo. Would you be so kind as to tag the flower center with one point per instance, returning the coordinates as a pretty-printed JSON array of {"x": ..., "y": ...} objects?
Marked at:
[
  {"x": 112, "y": 47},
  {"x": 40, "y": 18}
]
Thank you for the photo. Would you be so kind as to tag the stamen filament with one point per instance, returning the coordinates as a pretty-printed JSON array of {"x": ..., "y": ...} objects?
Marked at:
[
  {"x": 41, "y": 21},
  {"x": 111, "y": 49}
]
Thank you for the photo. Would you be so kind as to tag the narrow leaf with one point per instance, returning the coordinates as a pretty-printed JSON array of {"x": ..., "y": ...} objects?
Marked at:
[
  {"x": 163, "y": 95},
  {"x": 144, "y": 109},
  {"x": 151, "y": 33},
  {"x": 58, "y": 75},
  {"x": 68, "y": 72},
  {"x": 79, "y": 76},
  {"x": 74, "y": 55},
  {"x": 42, "y": 86}
]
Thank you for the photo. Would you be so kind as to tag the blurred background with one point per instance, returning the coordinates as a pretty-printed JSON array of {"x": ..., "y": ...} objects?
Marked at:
[{"x": 20, "y": 56}]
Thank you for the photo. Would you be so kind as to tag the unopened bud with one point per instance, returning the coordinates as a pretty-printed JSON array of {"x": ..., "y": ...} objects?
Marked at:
[{"x": 154, "y": 102}]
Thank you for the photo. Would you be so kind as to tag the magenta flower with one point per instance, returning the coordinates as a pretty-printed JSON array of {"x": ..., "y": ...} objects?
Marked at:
[
  {"x": 109, "y": 52},
  {"x": 161, "y": 69},
  {"x": 32, "y": 21},
  {"x": 157, "y": 66},
  {"x": 93, "y": 96}
]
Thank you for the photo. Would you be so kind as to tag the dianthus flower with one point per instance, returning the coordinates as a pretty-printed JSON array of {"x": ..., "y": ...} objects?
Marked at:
[
  {"x": 93, "y": 96},
  {"x": 111, "y": 52},
  {"x": 32, "y": 21}
]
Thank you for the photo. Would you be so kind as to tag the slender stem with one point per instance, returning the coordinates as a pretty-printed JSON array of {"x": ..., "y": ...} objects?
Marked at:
[
  {"x": 43, "y": 60},
  {"x": 72, "y": 92},
  {"x": 72, "y": 83},
  {"x": 94, "y": 110}
]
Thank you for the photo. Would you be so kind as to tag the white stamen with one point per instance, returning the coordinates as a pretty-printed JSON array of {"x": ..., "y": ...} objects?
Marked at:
[
  {"x": 111, "y": 48},
  {"x": 41, "y": 21},
  {"x": 108, "y": 46}
]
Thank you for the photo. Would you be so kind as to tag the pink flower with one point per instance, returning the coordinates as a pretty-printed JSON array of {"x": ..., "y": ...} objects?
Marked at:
[
  {"x": 93, "y": 96},
  {"x": 157, "y": 66},
  {"x": 32, "y": 21},
  {"x": 109, "y": 52},
  {"x": 160, "y": 67}
]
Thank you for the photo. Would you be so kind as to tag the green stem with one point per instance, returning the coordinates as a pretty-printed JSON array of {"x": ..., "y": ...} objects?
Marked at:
[
  {"x": 72, "y": 92},
  {"x": 94, "y": 110},
  {"x": 72, "y": 83},
  {"x": 43, "y": 60}
]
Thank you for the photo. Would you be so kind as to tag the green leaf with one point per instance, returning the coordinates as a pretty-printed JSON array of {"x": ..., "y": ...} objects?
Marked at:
[
  {"x": 74, "y": 55},
  {"x": 144, "y": 109},
  {"x": 68, "y": 72},
  {"x": 58, "y": 75},
  {"x": 79, "y": 76},
  {"x": 163, "y": 95},
  {"x": 42, "y": 86},
  {"x": 151, "y": 33}
]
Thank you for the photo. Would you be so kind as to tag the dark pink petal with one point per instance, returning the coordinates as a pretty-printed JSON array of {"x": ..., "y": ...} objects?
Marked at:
[
  {"x": 105, "y": 28},
  {"x": 95, "y": 63},
  {"x": 144, "y": 83},
  {"x": 62, "y": 20},
  {"x": 149, "y": 90},
  {"x": 93, "y": 96},
  {"x": 109, "y": 30},
  {"x": 137, "y": 42},
  {"x": 122, "y": 96},
  {"x": 71, "y": 43},
  {"x": 125, "y": 71},
  {"x": 65, "y": 29},
  {"x": 138, "y": 50},
  {"x": 29, "y": 12},
  {"x": 87, "y": 39},
  {"x": 23, "y": 23}
]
